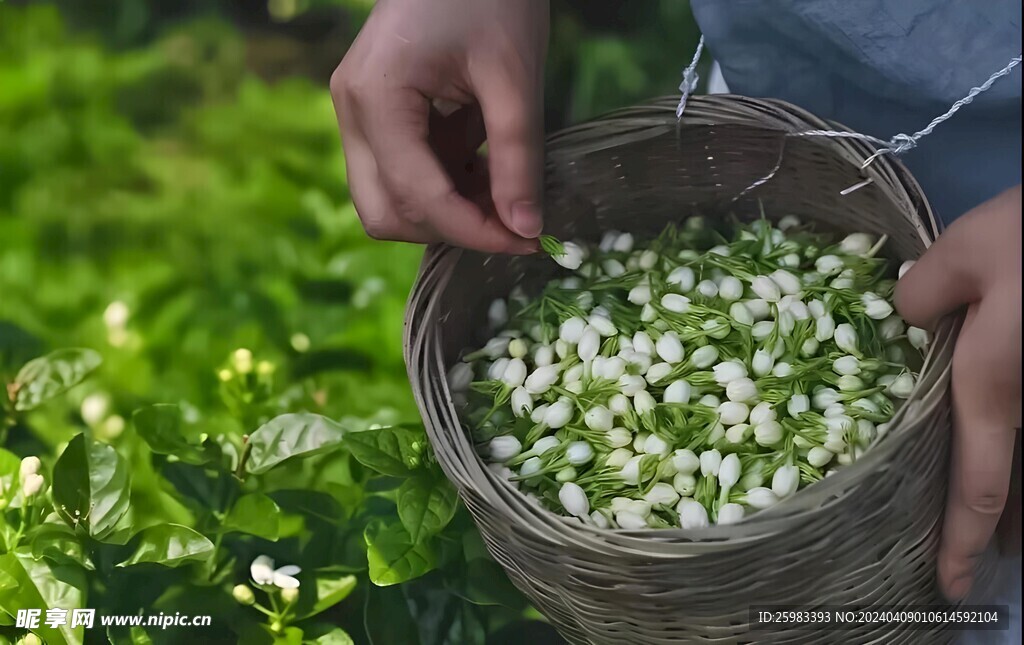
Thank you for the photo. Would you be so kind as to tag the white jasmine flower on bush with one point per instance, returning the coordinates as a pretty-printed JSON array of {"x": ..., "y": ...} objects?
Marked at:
[
  {"x": 33, "y": 484},
  {"x": 115, "y": 316},
  {"x": 785, "y": 481},
  {"x": 504, "y": 448},
  {"x": 29, "y": 466},
  {"x": 94, "y": 407},
  {"x": 710, "y": 463},
  {"x": 573, "y": 499},
  {"x": 858, "y": 244},
  {"x": 692, "y": 514},
  {"x": 263, "y": 572}
]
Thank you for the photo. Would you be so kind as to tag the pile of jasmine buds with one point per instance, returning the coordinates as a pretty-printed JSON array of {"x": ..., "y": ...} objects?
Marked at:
[{"x": 693, "y": 379}]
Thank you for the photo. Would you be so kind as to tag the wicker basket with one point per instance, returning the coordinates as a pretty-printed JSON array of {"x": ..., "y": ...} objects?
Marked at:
[{"x": 866, "y": 536}]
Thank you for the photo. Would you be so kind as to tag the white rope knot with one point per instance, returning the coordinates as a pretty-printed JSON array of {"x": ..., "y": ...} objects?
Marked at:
[
  {"x": 690, "y": 78},
  {"x": 902, "y": 143}
]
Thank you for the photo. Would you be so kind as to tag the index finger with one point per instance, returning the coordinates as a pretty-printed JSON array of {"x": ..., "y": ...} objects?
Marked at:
[
  {"x": 982, "y": 459},
  {"x": 418, "y": 184}
]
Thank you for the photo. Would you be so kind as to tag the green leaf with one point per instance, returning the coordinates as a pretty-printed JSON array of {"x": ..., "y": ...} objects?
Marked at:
[
  {"x": 10, "y": 469},
  {"x": 387, "y": 617},
  {"x": 485, "y": 583},
  {"x": 426, "y": 504},
  {"x": 49, "y": 376},
  {"x": 255, "y": 514},
  {"x": 394, "y": 451},
  {"x": 59, "y": 544},
  {"x": 393, "y": 556},
  {"x": 332, "y": 586},
  {"x": 291, "y": 435},
  {"x": 336, "y": 636},
  {"x": 160, "y": 426},
  {"x": 41, "y": 585},
  {"x": 171, "y": 545},
  {"x": 91, "y": 486}
]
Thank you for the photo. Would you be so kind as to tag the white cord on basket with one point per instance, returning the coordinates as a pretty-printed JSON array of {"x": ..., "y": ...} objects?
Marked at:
[
  {"x": 690, "y": 78},
  {"x": 897, "y": 145}
]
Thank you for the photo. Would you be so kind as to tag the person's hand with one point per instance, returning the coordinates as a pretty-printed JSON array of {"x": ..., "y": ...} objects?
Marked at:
[
  {"x": 977, "y": 263},
  {"x": 422, "y": 86}
]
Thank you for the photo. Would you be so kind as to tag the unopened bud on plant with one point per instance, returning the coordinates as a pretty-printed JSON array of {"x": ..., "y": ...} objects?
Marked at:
[
  {"x": 558, "y": 414},
  {"x": 742, "y": 390},
  {"x": 630, "y": 521},
  {"x": 669, "y": 348},
  {"x": 33, "y": 485},
  {"x": 618, "y": 437},
  {"x": 225, "y": 375},
  {"x": 241, "y": 360},
  {"x": 732, "y": 412},
  {"x": 762, "y": 413},
  {"x": 739, "y": 433},
  {"x": 729, "y": 371},
  {"x": 618, "y": 458},
  {"x": 29, "y": 466}
]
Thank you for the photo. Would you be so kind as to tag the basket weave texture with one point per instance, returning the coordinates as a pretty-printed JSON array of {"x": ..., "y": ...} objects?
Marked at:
[{"x": 866, "y": 536}]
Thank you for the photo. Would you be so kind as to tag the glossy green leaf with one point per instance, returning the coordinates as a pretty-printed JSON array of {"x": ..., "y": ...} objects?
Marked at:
[
  {"x": 59, "y": 544},
  {"x": 393, "y": 557},
  {"x": 160, "y": 426},
  {"x": 331, "y": 587},
  {"x": 426, "y": 504},
  {"x": 44, "y": 378},
  {"x": 10, "y": 469},
  {"x": 171, "y": 545},
  {"x": 255, "y": 514},
  {"x": 91, "y": 486},
  {"x": 41, "y": 585},
  {"x": 291, "y": 435},
  {"x": 394, "y": 451},
  {"x": 485, "y": 583}
]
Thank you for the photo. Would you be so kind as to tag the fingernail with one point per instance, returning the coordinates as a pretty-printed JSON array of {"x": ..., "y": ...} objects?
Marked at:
[{"x": 526, "y": 219}]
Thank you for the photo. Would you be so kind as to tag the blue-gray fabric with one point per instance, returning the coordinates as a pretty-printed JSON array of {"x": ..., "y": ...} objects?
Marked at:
[{"x": 884, "y": 67}]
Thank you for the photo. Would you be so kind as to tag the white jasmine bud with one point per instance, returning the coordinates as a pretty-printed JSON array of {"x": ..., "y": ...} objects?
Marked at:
[
  {"x": 758, "y": 308},
  {"x": 571, "y": 331},
  {"x": 599, "y": 418},
  {"x": 729, "y": 472},
  {"x": 875, "y": 307},
  {"x": 618, "y": 458},
  {"x": 558, "y": 414},
  {"x": 846, "y": 338},
  {"x": 785, "y": 481},
  {"x": 578, "y": 453},
  {"x": 590, "y": 344},
  {"x": 846, "y": 365},
  {"x": 684, "y": 484},
  {"x": 496, "y": 370},
  {"x": 707, "y": 288},
  {"x": 918, "y": 337},
  {"x": 782, "y": 370},
  {"x": 541, "y": 380},
  {"x": 572, "y": 257},
  {"x": 739, "y": 433},
  {"x": 768, "y": 433},
  {"x": 858, "y": 244},
  {"x": 766, "y": 288},
  {"x": 730, "y": 289},
  {"x": 501, "y": 449},
  {"x": 639, "y": 295},
  {"x": 669, "y": 348},
  {"x": 788, "y": 283},
  {"x": 661, "y": 495},
  {"x": 515, "y": 373},
  {"x": 762, "y": 330},
  {"x": 824, "y": 328},
  {"x": 618, "y": 437},
  {"x": 762, "y": 413},
  {"x": 902, "y": 387},
  {"x": 677, "y": 392},
  {"x": 631, "y": 384},
  {"x": 710, "y": 463},
  {"x": 818, "y": 456},
  {"x": 704, "y": 356},
  {"x": 828, "y": 265},
  {"x": 630, "y": 521},
  {"x": 685, "y": 461},
  {"x": 655, "y": 445},
  {"x": 729, "y": 371},
  {"x": 730, "y": 514},
  {"x": 619, "y": 404},
  {"x": 760, "y": 498},
  {"x": 522, "y": 402},
  {"x": 675, "y": 303},
  {"x": 682, "y": 278},
  {"x": 643, "y": 402},
  {"x": 797, "y": 405},
  {"x": 692, "y": 514}
]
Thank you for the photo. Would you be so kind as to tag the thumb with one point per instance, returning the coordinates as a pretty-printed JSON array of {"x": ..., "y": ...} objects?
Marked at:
[
  {"x": 940, "y": 282},
  {"x": 513, "y": 119}
]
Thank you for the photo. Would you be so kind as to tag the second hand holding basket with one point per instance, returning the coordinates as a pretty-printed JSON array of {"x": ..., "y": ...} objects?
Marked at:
[{"x": 865, "y": 537}]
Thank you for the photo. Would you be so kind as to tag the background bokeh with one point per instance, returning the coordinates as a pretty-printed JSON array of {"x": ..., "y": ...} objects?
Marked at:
[{"x": 172, "y": 187}]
